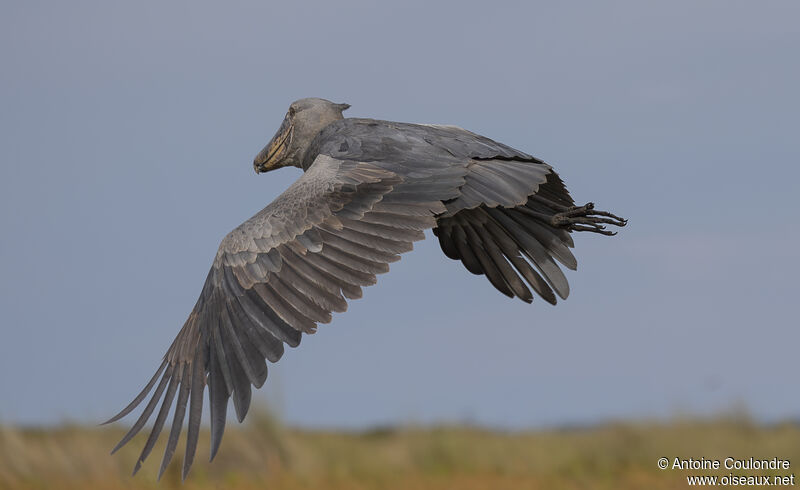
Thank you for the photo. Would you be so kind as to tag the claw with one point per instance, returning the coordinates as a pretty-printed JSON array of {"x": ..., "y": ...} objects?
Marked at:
[{"x": 585, "y": 218}]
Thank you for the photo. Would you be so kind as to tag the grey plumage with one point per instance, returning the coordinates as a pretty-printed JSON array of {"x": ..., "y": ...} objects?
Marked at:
[{"x": 369, "y": 190}]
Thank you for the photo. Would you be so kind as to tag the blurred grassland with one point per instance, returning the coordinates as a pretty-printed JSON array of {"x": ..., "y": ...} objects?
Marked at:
[{"x": 264, "y": 454}]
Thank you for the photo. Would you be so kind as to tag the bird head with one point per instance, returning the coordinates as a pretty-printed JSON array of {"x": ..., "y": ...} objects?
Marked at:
[{"x": 304, "y": 120}]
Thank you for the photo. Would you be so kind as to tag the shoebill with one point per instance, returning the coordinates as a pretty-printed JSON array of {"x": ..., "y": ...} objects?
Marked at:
[{"x": 369, "y": 190}]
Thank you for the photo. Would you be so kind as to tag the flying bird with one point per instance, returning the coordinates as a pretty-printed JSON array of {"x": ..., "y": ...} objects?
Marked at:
[{"x": 369, "y": 190}]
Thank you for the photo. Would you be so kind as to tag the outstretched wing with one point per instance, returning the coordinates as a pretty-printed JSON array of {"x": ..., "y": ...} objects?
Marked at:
[
  {"x": 500, "y": 223},
  {"x": 278, "y": 275}
]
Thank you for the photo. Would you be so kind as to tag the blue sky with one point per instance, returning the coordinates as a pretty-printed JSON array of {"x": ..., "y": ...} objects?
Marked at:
[{"x": 127, "y": 132}]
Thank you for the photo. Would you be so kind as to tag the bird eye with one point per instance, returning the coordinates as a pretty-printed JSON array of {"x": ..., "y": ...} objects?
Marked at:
[{"x": 292, "y": 111}]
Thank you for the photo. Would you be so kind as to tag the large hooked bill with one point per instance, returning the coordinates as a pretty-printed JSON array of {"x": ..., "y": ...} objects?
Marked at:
[{"x": 270, "y": 157}]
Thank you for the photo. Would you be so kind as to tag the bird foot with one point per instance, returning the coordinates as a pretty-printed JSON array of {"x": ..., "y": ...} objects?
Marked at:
[{"x": 586, "y": 218}]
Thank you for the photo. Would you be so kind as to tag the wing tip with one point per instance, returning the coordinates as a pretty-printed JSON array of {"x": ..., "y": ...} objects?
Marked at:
[{"x": 140, "y": 397}]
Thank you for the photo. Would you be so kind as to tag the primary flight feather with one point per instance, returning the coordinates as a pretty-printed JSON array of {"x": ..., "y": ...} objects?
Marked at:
[{"x": 369, "y": 190}]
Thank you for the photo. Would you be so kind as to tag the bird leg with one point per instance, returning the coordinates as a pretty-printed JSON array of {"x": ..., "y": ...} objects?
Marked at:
[{"x": 586, "y": 218}]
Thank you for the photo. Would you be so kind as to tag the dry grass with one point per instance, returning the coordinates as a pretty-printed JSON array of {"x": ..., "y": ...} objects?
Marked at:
[{"x": 263, "y": 454}]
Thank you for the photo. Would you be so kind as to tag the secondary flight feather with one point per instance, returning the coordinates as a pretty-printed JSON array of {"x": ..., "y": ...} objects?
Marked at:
[{"x": 369, "y": 190}]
